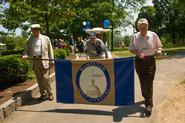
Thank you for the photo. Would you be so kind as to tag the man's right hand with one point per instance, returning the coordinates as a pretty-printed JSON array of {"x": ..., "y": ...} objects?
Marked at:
[
  {"x": 141, "y": 55},
  {"x": 24, "y": 56}
]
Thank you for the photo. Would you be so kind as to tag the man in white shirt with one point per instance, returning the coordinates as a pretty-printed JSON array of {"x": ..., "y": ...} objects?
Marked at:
[
  {"x": 39, "y": 47},
  {"x": 145, "y": 45}
]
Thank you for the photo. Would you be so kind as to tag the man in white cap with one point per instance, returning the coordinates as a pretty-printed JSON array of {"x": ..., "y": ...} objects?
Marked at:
[
  {"x": 39, "y": 47},
  {"x": 145, "y": 45}
]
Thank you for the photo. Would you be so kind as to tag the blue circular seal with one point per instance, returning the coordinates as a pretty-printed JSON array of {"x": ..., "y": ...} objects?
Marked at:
[{"x": 99, "y": 85}]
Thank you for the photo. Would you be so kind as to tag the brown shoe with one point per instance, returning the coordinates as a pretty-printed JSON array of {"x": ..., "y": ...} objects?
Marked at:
[
  {"x": 50, "y": 98},
  {"x": 43, "y": 97},
  {"x": 148, "y": 111}
]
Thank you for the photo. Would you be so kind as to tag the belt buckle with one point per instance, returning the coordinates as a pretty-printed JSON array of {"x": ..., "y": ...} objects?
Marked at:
[{"x": 37, "y": 56}]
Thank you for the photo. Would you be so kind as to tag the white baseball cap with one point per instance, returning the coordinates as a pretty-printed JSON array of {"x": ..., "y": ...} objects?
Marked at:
[
  {"x": 35, "y": 26},
  {"x": 142, "y": 21}
]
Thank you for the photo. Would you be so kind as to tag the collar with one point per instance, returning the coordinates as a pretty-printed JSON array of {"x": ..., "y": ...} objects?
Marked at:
[
  {"x": 40, "y": 35},
  {"x": 147, "y": 35}
]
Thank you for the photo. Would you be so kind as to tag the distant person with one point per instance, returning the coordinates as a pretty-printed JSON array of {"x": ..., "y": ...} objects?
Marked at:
[
  {"x": 80, "y": 44},
  {"x": 121, "y": 44},
  {"x": 39, "y": 47},
  {"x": 95, "y": 48},
  {"x": 60, "y": 44},
  {"x": 72, "y": 44},
  {"x": 145, "y": 45}
]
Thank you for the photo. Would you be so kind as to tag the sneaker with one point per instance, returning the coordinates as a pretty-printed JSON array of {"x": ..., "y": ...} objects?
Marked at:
[
  {"x": 148, "y": 110},
  {"x": 50, "y": 98}
]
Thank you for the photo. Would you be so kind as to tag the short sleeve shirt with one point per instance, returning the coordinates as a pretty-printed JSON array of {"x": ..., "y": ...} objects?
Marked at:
[
  {"x": 91, "y": 48},
  {"x": 148, "y": 44}
]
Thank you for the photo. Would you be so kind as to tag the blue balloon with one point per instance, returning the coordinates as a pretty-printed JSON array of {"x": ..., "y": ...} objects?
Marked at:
[
  {"x": 106, "y": 23},
  {"x": 88, "y": 24}
]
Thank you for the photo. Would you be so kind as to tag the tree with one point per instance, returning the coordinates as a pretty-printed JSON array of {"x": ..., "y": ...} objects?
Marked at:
[
  {"x": 48, "y": 13},
  {"x": 166, "y": 17},
  {"x": 150, "y": 13},
  {"x": 170, "y": 11},
  {"x": 62, "y": 15}
]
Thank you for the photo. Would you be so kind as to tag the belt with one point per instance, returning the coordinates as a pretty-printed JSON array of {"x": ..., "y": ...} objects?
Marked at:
[
  {"x": 151, "y": 56},
  {"x": 37, "y": 56}
]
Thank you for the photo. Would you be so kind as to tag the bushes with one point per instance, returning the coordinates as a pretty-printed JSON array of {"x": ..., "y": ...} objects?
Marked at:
[
  {"x": 13, "y": 70},
  {"x": 10, "y": 52},
  {"x": 166, "y": 41},
  {"x": 60, "y": 53},
  {"x": 15, "y": 42}
]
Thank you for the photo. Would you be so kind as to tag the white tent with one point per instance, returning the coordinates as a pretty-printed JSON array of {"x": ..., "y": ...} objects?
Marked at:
[
  {"x": 2, "y": 46},
  {"x": 97, "y": 30}
]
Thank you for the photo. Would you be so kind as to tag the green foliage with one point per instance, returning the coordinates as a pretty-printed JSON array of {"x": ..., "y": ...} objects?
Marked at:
[
  {"x": 149, "y": 12},
  {"x": 60, "y": 53},
  {"x": 10, "y": 42},
  {"x": 166, "y": 40},
  {"x": 20, "y": 42},
  {"x": 65, "y": 14},
  {"x": 9, "y": 52},
  {"x": 127, "y": 40},
  {"x": 31, "y": 74},
  {"x": 13, "y": 70},
  {"x": 170, "y": 15},
  {"x": 67, "y": 51},
  {"x": 14, "y": 42}
]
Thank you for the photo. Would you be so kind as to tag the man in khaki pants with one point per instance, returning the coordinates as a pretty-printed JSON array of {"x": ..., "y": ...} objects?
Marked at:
[{"x": 39, "y": 47}]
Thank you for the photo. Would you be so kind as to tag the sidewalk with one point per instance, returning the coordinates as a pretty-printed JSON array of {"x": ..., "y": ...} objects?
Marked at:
[{"x": 169, "y": 73}]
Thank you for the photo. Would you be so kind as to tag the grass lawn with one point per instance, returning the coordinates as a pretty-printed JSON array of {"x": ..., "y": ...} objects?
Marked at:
[{"x": 170, "y": 50}]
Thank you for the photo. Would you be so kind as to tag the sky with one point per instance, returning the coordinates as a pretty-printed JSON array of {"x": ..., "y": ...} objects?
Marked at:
[{"x": 127, "y": 31}]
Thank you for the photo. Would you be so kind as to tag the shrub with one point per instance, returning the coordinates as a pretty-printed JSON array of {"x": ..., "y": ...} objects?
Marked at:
[
  {"x": 67, "y": 51},
  {"x": 10, "y": 52},
  {"x": 60, "y": 53},
  {"x": 166, "y": 40},
  {"x": 14, "y": 42},
  {"x": 13, "y": 70}
]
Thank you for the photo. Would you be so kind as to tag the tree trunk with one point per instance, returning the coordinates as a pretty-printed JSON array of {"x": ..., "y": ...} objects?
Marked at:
[{"x": 47, "y": 24}]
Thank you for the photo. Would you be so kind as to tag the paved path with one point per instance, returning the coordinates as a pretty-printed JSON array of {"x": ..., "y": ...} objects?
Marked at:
[{"x": 169, "y": 73}]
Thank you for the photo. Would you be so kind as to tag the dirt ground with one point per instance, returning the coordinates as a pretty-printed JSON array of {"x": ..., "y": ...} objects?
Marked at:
[
  {"x": 172, "y": 109},
  {"x": 7, "y": 94}
]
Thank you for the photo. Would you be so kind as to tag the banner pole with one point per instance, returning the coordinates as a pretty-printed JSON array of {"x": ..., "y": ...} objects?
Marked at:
[{"x": 41, "y": 59}]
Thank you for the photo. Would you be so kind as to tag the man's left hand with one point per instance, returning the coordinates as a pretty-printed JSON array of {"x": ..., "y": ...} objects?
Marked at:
[
  {"x": 51, "y": 65},
  {"x": 159, "y": 52}
]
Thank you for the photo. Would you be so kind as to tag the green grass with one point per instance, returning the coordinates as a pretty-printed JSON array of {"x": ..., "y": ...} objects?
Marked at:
[
  {"x": 173, "y": 46},
  {"x": 119, "y": 49},
  {"x": 169, "y": 50},
  {"x": 174, "y": 50},
  {"x": 124, "y": 53},
  {"x": 31, "y": 75}
]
